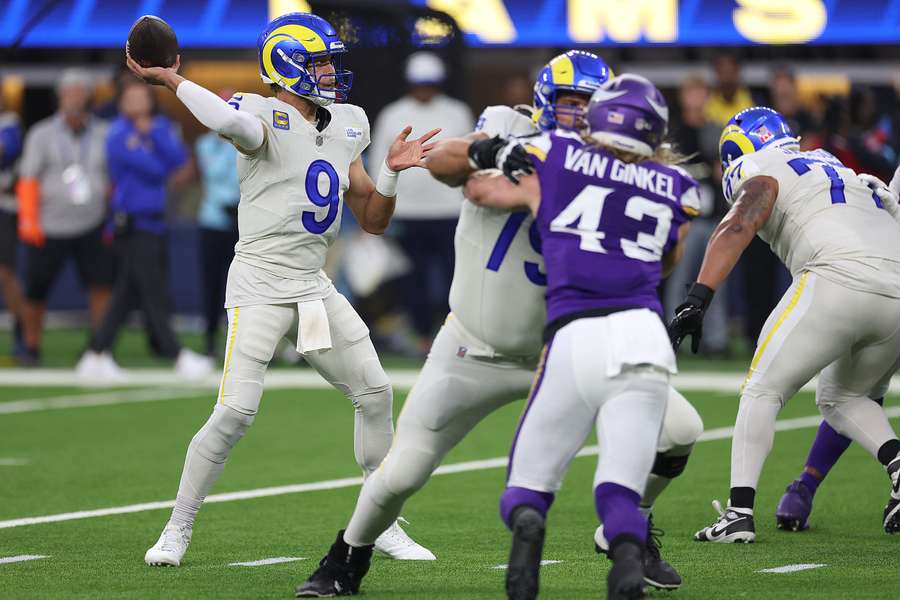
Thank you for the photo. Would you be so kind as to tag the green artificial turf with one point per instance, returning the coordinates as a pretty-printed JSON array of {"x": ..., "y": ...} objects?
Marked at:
[{"x": 99, "y": 457}]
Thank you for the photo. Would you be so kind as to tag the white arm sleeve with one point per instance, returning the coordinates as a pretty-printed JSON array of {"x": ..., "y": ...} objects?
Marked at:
[{"x": 244, "y": 129}]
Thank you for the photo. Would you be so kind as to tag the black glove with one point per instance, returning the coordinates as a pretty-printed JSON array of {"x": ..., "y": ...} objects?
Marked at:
[
  {"x": 688, "y": 320},
  {"x": 496, "y": 153}
]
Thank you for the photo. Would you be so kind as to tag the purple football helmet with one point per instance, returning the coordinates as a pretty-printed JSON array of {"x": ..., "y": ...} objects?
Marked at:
[{"x": 628, "y": 113}]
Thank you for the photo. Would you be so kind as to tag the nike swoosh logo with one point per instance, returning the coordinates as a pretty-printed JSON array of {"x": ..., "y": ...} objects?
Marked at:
[
  {"x": 602, "y": 95},
  {"x": 715, "y": 532},
  {"x": 661, "y": 110}
]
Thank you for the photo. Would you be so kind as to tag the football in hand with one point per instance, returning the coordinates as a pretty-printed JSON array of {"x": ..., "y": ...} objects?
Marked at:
[{"x": 152, "y": 42}]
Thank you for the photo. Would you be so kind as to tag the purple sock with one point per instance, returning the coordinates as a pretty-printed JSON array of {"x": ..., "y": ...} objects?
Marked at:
[
  {"x": 617, "y": 507},
  {"x": 827, "y": 448},
  {"x": 514, "y": 497}
]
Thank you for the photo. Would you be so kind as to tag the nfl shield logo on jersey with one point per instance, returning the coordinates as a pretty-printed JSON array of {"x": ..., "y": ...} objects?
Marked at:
[
  {"x": 461, "y": 352},
  {"x": 280, "y": 120}
]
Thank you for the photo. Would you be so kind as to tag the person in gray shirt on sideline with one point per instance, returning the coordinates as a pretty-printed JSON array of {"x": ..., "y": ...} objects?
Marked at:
[{"x": 61, "y": 194}]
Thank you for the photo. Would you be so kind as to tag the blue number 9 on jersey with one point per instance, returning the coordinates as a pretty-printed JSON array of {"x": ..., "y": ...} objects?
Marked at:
[{"x": 330, "y": 198}]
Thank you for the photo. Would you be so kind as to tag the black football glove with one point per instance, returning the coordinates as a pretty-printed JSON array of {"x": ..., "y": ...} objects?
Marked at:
[
  {"x": 688, "y": 320},
  {"x": 497, "y": 153}
]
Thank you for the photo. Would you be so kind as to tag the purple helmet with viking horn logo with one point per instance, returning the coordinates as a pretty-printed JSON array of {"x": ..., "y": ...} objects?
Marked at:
[{"x": 628, "y": 113}]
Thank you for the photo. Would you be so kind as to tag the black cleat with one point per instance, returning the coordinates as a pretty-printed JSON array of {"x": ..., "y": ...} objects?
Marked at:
[
  {"x": 892, "y": 510},
  {"x": 340, "y": 572},
  {"x": 626, "y": 578},
  {"x": 658, "y": 573},
  {"x": 525, "y": 554}
]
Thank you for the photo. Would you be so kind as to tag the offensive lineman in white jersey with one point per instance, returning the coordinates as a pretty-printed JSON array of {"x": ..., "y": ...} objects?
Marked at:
[
  {"x": 486, "y": 353},
  {"x": 840, "y": 316},
  {"x": 299, "y": 160}
]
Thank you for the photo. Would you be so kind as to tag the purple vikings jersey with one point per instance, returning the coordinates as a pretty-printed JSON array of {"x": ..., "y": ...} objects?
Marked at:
[{"x": 605, "y": 225}]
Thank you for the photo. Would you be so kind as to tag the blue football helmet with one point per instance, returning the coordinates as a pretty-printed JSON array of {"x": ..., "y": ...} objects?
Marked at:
[
  {"x": 573, "y": 71},
  {"x": 289, "y": 48},
  {"x": 750, "y": 131}
]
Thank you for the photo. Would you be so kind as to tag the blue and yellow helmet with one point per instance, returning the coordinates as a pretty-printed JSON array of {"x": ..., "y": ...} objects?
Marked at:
[
  {"x": 750, "y": 131},
  {"x": 573, "y": 71},
  {"x": 289, "y": 48}
]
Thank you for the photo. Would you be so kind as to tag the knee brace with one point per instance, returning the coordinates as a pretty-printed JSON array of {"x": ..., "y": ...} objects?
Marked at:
[
  {"x": 669, "y": 466},
  {"x": 222, "y": 431}
]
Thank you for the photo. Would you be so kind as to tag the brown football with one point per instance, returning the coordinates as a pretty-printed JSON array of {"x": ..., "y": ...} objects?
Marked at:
[{"x": 152, "y": 43}]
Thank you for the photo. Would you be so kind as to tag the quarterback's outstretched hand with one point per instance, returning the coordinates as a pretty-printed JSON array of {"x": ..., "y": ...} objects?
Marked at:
[
  {"x": 405, "y": 153},
  {"x": 167, "y": 76},
  {"x": 688, "y": 319}
]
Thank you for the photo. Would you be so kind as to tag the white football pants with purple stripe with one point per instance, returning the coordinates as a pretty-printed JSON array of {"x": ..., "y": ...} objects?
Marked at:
[
  {"x": 608, "y": 372},
  {"x": 453, "y": 393}
]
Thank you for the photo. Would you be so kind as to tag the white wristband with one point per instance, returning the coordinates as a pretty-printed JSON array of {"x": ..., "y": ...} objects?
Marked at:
[{"x": 387, "y": 181}]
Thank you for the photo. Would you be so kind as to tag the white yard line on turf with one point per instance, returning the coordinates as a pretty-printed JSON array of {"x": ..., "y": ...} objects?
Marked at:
[
  {"x": 131, "y": 396},
  {"x": 403, "y": 379},
  {"x": 720, "y": 433},
  {"x": 21, "y": 558},
  {"x": 543, "y": 562},
  {"x": 267, "y": 561},
  {"x": 14, "y": 462},
  {"x": 793, "y": 568}
]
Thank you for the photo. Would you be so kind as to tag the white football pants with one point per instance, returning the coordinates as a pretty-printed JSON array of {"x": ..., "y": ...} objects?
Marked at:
[
  {"x": 453, "y": 393},
  {"x": 852, "y": 337}
]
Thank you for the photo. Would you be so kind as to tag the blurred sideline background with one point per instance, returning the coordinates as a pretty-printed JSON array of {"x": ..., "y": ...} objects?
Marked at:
[{"x": 831, "y": 66}]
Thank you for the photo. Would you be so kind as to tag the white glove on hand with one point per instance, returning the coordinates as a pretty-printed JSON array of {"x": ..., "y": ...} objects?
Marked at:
[{"x": 879, "y": 187}]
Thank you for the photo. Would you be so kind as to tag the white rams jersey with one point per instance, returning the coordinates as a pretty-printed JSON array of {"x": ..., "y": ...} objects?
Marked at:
[
  {"x": 292, "y": 192},
  {"x": 825, "y": 219},
  {"x": 498, "y": 285}
]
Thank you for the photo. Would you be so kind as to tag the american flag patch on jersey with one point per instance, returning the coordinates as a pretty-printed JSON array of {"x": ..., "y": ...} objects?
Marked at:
[{"x": 280, "y": 120}]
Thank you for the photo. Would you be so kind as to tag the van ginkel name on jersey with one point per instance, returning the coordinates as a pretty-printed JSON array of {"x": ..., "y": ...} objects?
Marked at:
[{"x": 589, "y": 163}]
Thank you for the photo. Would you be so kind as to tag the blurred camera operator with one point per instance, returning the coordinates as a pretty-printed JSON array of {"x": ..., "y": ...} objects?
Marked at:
[{"x": 144, "y": 149}]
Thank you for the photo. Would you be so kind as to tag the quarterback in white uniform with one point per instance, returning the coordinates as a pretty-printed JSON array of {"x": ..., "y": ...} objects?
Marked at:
[
  {"x": 485, "y": 355},
  {"x": 298, "y": 162},
  {"x": 840, "y": 316}
]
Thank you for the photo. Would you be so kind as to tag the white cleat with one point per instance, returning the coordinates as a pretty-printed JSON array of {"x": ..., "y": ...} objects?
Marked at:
[
  {"x": 170, "y": 548},
  {"x": 734, "y": 525},
  {"x": 395, "y": 543},
  {"x": 191, "y": 365},
  {"x": 99, "y": 367}
]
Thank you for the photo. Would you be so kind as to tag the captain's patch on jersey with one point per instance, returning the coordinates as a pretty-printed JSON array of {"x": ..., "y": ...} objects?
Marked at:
[
  {"x": 280, "y": 120},
  {"x": 353, "y": 133}
]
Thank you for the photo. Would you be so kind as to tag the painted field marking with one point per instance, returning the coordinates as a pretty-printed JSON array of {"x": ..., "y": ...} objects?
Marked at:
[
  {"x": 130, "y": 396},
  {"x": 267, "y": 561},
  {"x": 402, "y": 379},
  {"x": 543, "y": 562},
  {"x": 21, "y": 558},
  {"x": 14, "y": 462},
  {"x": 793, "y": 568},
  {"x": 720, "y": 433}
]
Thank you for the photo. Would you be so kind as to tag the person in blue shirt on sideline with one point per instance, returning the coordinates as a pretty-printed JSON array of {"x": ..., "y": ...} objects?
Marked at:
[
  {"x": 143, "y": 150},
  {"x": 217, "y": 163},
  {"x": 10, "y": 290}
]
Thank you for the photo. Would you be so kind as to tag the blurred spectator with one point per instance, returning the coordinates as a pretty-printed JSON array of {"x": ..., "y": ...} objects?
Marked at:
[
  {"x": 217, "y": 163},
  {"x": 784, "y": 99},
  {"x": 143, "y": 149},
  {"x": 517, "y": 89},
  {"x": 123, "y": 77},
  {"x": 62, "y": 202},
  {"x": 426, "y": 213},
  {"x": 697, "y": 138},
  {"x": 10, "y": 149},
  {"x": 730, "y": 96}
]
